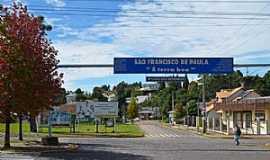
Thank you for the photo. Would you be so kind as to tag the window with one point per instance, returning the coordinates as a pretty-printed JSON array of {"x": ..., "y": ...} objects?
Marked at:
[
  {"x": 238, "y": 119},
  {"x": 248, "y": 119},
  {"x": 260, "y": 116}
]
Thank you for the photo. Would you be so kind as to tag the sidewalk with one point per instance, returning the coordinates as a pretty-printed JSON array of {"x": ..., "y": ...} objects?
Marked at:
[
  {"x": 33, "y": 145},
  {"x": 212, "y": 134}
]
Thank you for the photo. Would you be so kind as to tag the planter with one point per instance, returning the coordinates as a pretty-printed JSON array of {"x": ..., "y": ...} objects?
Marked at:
[{"x": 51, "y": 141}]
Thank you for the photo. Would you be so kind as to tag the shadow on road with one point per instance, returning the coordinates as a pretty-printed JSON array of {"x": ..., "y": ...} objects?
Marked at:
[
  {"x": 91, "y": 155},
  {"x": 90, "y": 152}
]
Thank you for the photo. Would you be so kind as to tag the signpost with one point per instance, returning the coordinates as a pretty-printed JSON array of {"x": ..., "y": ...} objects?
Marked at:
[
  {"x": 56, "y": 118},
  {"x": 151, "y": 86},
  {"x": 105, "y": 110},
  {"x": 63, "y": 119},
  {"x": 164, "y": 79},
  {"x": 172, "y": 65},
  {"x": 60, "y": 118}
]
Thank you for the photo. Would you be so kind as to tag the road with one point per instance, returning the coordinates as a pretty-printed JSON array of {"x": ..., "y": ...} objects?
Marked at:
[{"x": 158, "y": 144}]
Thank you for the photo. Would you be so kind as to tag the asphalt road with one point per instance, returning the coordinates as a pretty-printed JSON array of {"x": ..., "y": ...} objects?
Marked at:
[{"x": 159, "y": 144}]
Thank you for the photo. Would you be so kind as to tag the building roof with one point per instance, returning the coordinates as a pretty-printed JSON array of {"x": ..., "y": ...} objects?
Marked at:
[
  {"x": 139, "y": 99},
  {"x": 230, "y": 96},
  {"x": 146, "y": 112},
  {"x": 225, "y": 93}
]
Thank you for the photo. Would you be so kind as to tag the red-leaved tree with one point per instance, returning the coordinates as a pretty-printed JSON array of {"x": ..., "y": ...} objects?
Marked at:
[{"x": 29, "y": 81}]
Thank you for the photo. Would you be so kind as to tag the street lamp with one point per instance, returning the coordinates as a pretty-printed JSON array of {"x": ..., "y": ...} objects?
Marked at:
[{"x": 203, "y": 102}]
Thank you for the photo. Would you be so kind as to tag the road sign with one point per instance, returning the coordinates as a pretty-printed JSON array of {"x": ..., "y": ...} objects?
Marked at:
[
  {"x": 201, "y": 105},
  {"x": 60, "y": 118},
  {"x": 151, "y": 86},
  {"x": 164, "y": 79},
  {"x": 172, "y": 65},
  {"x": 106, "y": 109}
]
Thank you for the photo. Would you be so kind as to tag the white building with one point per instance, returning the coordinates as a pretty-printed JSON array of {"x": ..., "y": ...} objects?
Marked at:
[
  {"x": 139, "y": 99},
  {"x": 71, "y": 97},
  {"x": 85, "y": 110},
  {"x": 241, "y": 107}
]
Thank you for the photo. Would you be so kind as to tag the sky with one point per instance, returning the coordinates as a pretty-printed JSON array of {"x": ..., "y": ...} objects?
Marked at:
[{"x": 96, "y": 31}]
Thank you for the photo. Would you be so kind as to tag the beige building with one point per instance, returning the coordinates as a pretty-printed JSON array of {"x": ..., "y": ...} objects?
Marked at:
[{"x": 246, "y": 108}]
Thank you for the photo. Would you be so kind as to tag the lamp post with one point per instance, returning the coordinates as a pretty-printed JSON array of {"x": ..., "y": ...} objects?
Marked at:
[{"x": 203, "y": 103}]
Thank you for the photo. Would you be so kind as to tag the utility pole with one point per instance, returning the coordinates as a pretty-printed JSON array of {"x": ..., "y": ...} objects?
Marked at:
[
  {"x": 172, "y": 101},
  {"x": 204, "y": 105},
  {"x": 50, "y": 124}
]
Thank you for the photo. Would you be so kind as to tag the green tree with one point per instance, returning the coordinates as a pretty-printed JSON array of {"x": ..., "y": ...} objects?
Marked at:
[
  {"x": 214, "y": 83},
  {"x": 180, "y": 112},
  {"x": 186, "y": 82},
  {"x": 132, "y": 110},
  {"x": 266, "y": 79},
  {"x": 61, "y": 97},
  {"x": 80, "y": 95},
  {"x": 98, "y": 94},
  {"x": 124, "y": 90},
  {"x": 191, "y": 107}
]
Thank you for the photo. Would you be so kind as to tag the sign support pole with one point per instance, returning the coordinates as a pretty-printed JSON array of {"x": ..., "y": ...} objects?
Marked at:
[
  {"x": 114, "y": 123},
  {"x": 49, "y": 125},
  {"x": 204, "y": 105},
  {"x": 96, "y": 126}
]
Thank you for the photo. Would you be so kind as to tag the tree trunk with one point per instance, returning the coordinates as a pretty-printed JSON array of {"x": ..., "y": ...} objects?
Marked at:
[
  {"x": 7, "y": 132},
  {"x": 33, "y": 124},
  {"x": 20, "y": 128}
]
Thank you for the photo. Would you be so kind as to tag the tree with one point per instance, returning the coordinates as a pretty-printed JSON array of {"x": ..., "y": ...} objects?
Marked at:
[
  {"x": 61, "y": 98},
  {"x": 98, "y": 94},
  {"x": 186, "y": 82},
  {"x": 214, "y": 83},
  {"x": 80, "y": 96},
  {"x": 179, "y": 111},
  {"x": 266, "y": 78},
  {"x": 31, "y": 81},
  {"x": 132, "y": 110},
  {"x": 105, "y": 87},
  {"x": 122, "y": 91},
  {"x": 191, "y": 107}
]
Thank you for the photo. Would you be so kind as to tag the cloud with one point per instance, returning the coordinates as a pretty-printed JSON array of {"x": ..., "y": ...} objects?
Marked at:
[
  {"x": 52, "y": 21},
  {"x": 151, "y": 32},
  {"x": 56, "y": 3},
  {"x": 135, "y": 32},
  {"x": 83, "y": 52},
  {"x": 65, "y": 31}
]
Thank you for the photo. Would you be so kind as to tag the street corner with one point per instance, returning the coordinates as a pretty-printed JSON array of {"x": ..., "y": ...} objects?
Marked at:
[
  {"x": 267, "y": 145},
  {"x": 72, "y": 147},
  {"x": 37, "y": 148}
]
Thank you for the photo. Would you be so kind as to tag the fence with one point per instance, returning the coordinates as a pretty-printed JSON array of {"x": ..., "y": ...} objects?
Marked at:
[{"x": 225, "y": 126}]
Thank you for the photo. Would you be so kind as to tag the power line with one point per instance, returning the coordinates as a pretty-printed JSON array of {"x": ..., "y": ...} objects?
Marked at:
[
  {"x": 111, "y": 65},
  {"x": 95, "y": 10},
  {"x": 164, "y": 26},
  {"x": 246, "y": 24},
  {"x": 248, "y": 39},
  {"x": 176, "y": 1},
  {"x": 160, "y": 16}
]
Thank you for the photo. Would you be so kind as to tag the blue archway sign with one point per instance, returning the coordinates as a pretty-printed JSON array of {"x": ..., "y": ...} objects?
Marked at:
[{"x": 172, "y": 65}]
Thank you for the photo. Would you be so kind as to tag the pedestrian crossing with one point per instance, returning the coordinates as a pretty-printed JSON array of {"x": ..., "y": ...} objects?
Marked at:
[
  {"x": 155, "y": 130},
  {"x": 162, "y": 135}
]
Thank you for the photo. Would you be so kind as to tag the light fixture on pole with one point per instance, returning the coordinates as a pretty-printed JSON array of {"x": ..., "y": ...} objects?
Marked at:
[{"x": 204, "y": 103}]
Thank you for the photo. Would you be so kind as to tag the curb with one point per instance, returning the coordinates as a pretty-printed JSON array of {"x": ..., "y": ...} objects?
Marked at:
[
  {"x": 210, "y": 135},
  {"x": 99, "y": 136},
  {"x": 69, "y": 147}
]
